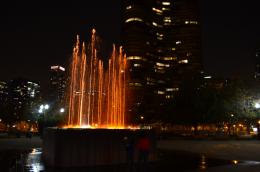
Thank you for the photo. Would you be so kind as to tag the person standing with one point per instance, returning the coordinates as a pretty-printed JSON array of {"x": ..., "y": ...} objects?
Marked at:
[{"x": 143, "y": 147}]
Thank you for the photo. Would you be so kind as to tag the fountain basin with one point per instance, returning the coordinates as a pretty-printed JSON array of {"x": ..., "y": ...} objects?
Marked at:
[{"x": 78, "y": 147}]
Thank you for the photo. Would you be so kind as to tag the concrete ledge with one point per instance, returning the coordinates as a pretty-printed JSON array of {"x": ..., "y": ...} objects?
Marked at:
[{"x": 65, "y": 148}]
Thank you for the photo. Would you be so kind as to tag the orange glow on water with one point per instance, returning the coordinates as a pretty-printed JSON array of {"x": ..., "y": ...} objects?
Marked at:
[{"x": 96, "y": 97}]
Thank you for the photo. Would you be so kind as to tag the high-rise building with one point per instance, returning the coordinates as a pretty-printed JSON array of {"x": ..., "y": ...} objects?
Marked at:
[
  {"x": 3, "y": 97},
  {"x": 3, "y": 92},
  {"x": 23, "y": 98},
  {"x": 57, "y": 85},
  {"x": 162, "y": 43}
]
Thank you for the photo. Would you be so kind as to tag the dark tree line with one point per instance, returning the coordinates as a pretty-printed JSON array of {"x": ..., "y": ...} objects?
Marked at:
[{"x": 199, "y": 103}]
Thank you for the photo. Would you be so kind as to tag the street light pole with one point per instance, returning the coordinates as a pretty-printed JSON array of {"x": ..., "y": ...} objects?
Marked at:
[
  {"x": 42, "y": 110},
  {"x": 257, "y": 106}
]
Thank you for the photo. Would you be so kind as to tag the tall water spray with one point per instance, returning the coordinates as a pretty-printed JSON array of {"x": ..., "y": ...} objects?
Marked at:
[{"x": 96, "y": 95}]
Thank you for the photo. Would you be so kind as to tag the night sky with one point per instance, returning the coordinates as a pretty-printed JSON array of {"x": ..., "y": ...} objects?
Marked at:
[{"x": 37, "y": 34}]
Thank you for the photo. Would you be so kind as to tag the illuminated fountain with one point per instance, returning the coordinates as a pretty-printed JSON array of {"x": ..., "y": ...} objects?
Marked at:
[
  {"x": 95, "y": 133},
  {"x": 96, "y": 97}
]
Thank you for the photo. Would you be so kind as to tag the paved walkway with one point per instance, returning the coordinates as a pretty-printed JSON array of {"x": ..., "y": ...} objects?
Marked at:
[
  {"x": 233, "y": 150},
  {"x": 245, "y": 151}
]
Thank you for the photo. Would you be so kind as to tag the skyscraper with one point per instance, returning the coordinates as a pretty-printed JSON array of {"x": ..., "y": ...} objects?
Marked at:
[
  {"x": 23, "y": 98},
  {"x": 162, "y": 43},
  {"x": 57, "y": 85},
  {"x": 3, "y": 92}
]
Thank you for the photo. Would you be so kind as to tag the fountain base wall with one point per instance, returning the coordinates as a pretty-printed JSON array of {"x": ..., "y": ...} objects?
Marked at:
[{"x": 90, "y": 147}]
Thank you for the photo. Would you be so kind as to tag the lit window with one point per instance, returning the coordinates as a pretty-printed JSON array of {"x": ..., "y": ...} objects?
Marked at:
[
  {"x": 159, "y": 67},
  {"x": 169, "y": 58},
  {"x": 162, "y": 64},
  {"x": 57, "y": 68},
  {"x": 178, "y": 42},
  {"x": 138, "y": 84},
  {"x": 172, "y": 89},
  {"x": 167, "y": 96},
  {"x": 166, "y": 3},
  {"x": 150, "y": 83},
  {"x": 159, "y": 64},
  {"x": 129, "y": 7},
  {"x": 173, "y": 49},
  {"x": 135, "y": 58},
  {"x": 133, "y": 19},
  {"x": 160, "y": 92},
  {"x": 191, "y": 22},
  {"x": 135, "y": 84},
  {"x": 137, "y": 65},
  {"x": 157, "y": 10},
  {"x": 183, "y": 61},
  {"x": 169, "y": 89},
  {"x": 155, "y": 24},
  {"x": 158, "y": 34},
  {"x": 166, "y": 9},
  {"x": 167, "y": 19},
  {"x": 207, "y": 77}
]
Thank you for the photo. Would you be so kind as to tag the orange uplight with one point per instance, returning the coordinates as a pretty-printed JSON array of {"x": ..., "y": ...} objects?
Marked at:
[
  {"x": 100, "y": 127},
  {"x": 96, "y": 97}
]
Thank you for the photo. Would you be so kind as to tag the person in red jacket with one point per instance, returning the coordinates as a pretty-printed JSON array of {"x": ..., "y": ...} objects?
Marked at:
[{"x": 143, "y": 147}]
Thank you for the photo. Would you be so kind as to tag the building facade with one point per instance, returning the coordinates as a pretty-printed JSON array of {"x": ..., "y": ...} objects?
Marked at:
[
  {"x": 22, "y": 100},
  {"x": 57, "y": 85},
  {"x": 162, "y": 42}
]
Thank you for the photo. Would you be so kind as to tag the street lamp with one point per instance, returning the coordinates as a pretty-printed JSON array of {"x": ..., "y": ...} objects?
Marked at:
[
  {"x": 62, "y": 110},
  {"x": 257, "y": 105},
  {"x": 43, "y": 109},
  {"x": 46, "y": 106},
  {"x": 40, "y": 110}
]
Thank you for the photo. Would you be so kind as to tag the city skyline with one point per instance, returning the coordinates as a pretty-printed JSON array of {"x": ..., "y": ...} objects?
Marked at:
[{"x": 37, "y": 36}]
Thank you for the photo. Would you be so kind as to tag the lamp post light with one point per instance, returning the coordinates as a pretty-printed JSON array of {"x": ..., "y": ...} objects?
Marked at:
[
  {"x": 43, "y": 109},
  {"x": 62, "y": 110},
  {"x": 257, "y": 106},
  {"x": 258, "y": 129},
  {"x": 46, "y": 106},
  {"x": 42, "y": 112},
  {"x": 231, "y": 125}
]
